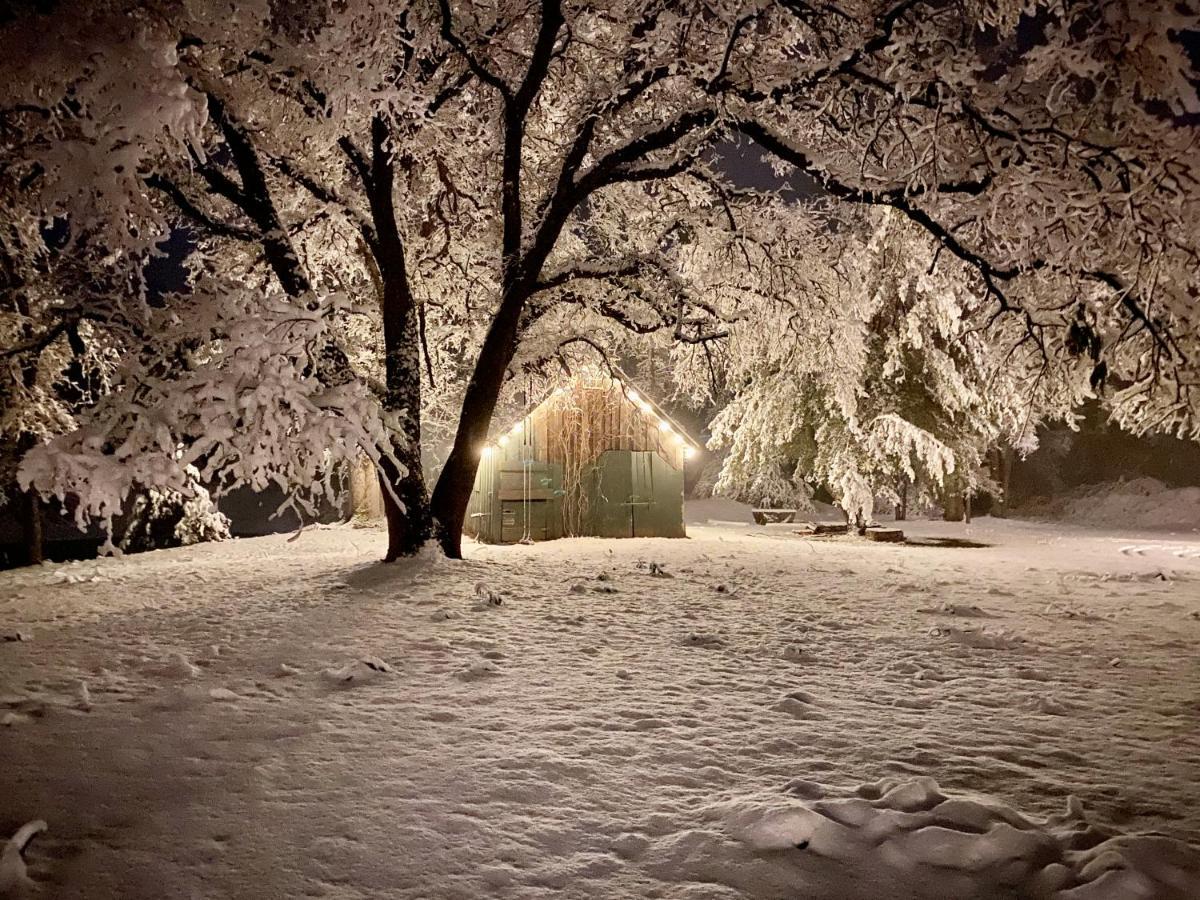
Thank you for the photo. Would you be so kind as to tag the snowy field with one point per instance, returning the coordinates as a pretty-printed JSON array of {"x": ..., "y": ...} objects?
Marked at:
[{"x": 742, "y": 714}]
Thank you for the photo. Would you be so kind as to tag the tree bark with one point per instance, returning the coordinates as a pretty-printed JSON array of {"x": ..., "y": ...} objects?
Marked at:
[
  {"x": 405, "y": 496},
  {"x": 31, "y": 528},
  {"x": 452, "y": 493},
  {"x": 1006, "y": 466}
]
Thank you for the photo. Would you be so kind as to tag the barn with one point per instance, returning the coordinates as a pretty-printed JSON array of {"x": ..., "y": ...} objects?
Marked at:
[{"x": 595, "y": 457}]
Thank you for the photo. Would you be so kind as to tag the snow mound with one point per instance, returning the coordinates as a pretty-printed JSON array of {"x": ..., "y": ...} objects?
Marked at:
[
  {"x": 13, "y": 880},
  {"x": 359, "y": 671},
  {"x": 483, "y": 668},
  {"x": 910, "y": 836},
  {"x": 979, "y": 638},
  {"x": 1143, "y": 503}
]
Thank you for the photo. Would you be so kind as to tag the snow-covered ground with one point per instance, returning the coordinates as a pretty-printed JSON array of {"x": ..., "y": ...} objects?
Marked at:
[
  {"x": 743, "y": 714},
  {"x": 1138, "y": 503}
]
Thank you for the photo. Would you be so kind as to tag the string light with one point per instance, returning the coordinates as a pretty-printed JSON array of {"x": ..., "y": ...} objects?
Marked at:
[
  {"x": 689, "y": 452},
  {"x": 503, "y": 440}
]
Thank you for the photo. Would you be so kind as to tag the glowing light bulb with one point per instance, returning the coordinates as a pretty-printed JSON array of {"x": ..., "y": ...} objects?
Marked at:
[
  {"x": 664, "y": 427},
  {"x": 689, "y": 452},
  {"x": 635, "y": 397},
  {"x": 678, "y": 438},
  {"x": 518, "y": 428},
  {"x": 503, "y": 440}
]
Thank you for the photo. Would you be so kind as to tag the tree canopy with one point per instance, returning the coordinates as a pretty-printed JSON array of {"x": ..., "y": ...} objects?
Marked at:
[{"x": 395, "y": 212}]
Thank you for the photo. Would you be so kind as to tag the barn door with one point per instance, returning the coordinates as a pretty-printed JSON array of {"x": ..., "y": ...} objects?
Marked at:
[
  {"x": 657, "y": 497},
  {"x": 635, "y": 494},
  {"x": 609, "y": 511},
  {"x": 641, "y": 493}
]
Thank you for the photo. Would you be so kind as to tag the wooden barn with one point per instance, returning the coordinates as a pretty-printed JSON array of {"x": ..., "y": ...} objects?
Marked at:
[{"x": 593, "y": 458}]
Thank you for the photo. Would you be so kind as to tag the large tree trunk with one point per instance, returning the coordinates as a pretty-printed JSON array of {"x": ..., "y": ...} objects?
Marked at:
[
  {"x": 452, "y": 493},
  {"x": 405, "y": 497},
  {"x": 409, "y": 521}
]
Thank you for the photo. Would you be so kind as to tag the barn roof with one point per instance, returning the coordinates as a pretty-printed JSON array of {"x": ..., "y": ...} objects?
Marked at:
[{"x": 631, "y": 393}]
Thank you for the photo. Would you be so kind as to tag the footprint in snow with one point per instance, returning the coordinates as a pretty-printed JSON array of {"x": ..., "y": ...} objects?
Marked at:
[
  {"x": 485, "y": 597},
  {"x": 798, "y": 705},
  {"x": 1048, "y": 706},
  {"x": 179, "y": 666},
  {"x": 978, "y": 639},
  {"x": 483, "y": 668},
  {"x": 963, "y": 610},
  {"x": 706, "y": 640},
  {"x": 796, "y": 653},
  {"x": 359, "y": 671}
]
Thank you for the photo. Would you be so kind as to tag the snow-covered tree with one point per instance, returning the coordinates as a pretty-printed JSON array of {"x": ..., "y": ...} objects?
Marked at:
[
  {"x": 884, "y": 373},
  {"x": 501, "y": 183}
]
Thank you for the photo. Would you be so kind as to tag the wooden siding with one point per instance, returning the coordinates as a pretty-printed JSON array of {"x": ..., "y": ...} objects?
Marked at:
[
  {"x": 567, "y": 434},
  {"x": 578, "y": 423}
]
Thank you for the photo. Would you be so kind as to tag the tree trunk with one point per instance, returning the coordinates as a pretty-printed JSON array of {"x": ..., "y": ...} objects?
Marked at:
[
  {"x": 1006, "y": 466},
  {"x": 452, "y": 493},
  {"x": 408, "y": 527},
  {"x": 31, "y": 527},
  {"x": 953, "y": 509},
  {"x": 902, "y": 506},
  {"x": 409, "y": 520}
]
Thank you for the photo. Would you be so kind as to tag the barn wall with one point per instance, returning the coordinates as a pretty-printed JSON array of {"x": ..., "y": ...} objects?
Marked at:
[{"x": 578, "y": 423}]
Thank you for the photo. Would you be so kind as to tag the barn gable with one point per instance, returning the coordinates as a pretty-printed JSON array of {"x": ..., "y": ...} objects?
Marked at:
[{"x": 593, "y": 458}]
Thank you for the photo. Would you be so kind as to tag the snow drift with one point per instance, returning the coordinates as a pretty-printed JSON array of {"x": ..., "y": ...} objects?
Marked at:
[
  {"x": 1143, "y": 503},
  {"x": 911, "y": 838}
]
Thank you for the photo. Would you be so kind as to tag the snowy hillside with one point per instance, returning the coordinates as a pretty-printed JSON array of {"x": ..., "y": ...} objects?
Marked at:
[
  {"x": 742, "y": 714},
  {"x": 1142, "y": 503}
]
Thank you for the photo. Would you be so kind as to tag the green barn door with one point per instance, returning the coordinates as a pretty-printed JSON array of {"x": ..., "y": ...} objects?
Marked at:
[
  {"x": 608, "y": 506},
  {"x": 635, "y": 494},
  {"x": 657, "y": 497},
  {"x": 641, "y": 493}
]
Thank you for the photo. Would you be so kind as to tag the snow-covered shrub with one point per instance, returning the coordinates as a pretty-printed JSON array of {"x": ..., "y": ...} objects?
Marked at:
[{"x": 166, "y": 518}]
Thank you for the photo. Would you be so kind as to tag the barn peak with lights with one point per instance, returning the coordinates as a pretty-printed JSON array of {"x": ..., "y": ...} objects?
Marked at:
[{"x": 594, "y": 457}]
